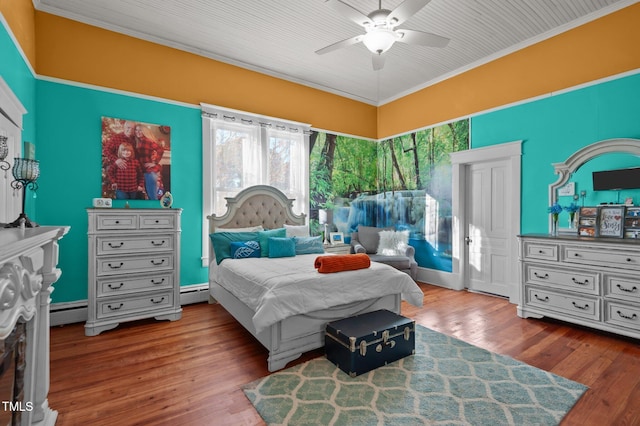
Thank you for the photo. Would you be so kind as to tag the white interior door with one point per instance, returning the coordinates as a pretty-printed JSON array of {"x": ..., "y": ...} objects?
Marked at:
[
  {"x": 11, "y": 112},
  {"x": 489, "y": 228},
  {"x": 10, "y": 200}
]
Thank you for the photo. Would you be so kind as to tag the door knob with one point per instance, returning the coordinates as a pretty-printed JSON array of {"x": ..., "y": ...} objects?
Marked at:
[{"x": 468, "y": 240}]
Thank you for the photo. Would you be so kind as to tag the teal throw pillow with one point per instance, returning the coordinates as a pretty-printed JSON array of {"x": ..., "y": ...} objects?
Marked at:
[
  {"x": 309, "y": 245},
  {"x": 222, "y": 242},
  {"x": 245, "y": 249},
  {"x": 282, "y": 247},
  {"x": 263, "y": 239}
]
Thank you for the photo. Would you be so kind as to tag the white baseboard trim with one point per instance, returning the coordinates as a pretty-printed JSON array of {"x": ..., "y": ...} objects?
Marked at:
[
  {"x": 439, "y": 278},
  {"x": 68, "y": 313},
  {"x": 72, "y": 312},
  {"x": 195, "y": 293}
]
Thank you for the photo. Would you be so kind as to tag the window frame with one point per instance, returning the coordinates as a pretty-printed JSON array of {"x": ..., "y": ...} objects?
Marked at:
[{"x": 214, "y": 117}]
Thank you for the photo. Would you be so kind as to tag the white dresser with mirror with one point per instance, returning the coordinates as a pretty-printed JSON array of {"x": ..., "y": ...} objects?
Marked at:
[{"x": 591, "y": 281}]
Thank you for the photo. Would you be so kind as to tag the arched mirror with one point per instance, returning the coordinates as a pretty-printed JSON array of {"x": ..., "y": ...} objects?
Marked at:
[{"x": 566, "y": 170}]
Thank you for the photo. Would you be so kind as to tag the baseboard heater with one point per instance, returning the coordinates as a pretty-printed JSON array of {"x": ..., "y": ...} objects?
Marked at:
[{"x": 72, "y": 312}]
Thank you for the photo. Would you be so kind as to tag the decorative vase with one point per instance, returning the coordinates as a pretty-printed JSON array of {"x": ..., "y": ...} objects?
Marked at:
[
  {"x": 554, "y": 225},
  {"x": 572, "y": 220}
]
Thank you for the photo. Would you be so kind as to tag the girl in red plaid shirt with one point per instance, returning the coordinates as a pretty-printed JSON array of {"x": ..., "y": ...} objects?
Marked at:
[{"x": 127, "y": 181}]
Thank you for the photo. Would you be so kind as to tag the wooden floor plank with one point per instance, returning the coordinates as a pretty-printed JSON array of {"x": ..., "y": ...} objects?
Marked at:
[{"x": 190, "y": 372}]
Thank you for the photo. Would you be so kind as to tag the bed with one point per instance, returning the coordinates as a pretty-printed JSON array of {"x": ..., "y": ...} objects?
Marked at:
[{"x": 285, "y": 303}]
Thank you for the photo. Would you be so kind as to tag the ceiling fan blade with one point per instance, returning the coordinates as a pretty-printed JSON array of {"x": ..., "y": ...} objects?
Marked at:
[
  {"x": 339, "y": 45},
  {"x": 421, "y": 38},
  {"x": 349, "y": 12},
  {"x": 378, "y": 61},
  {"x": 406, "y": 10}
]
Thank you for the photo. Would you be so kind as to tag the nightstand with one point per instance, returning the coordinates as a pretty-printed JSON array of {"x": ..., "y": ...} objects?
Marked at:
[{"x": 337, "y": 248}]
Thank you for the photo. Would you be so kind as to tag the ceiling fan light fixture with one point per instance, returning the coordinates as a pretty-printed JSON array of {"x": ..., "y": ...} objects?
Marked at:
[{"x": 379, "y": 40}]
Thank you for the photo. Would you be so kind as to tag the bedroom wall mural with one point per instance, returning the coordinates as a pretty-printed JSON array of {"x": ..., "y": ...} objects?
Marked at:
[{"x": 404, "y": 182}]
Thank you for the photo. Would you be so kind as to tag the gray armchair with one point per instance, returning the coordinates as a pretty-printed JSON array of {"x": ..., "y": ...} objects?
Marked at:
[{"x": 366, "y": 240}]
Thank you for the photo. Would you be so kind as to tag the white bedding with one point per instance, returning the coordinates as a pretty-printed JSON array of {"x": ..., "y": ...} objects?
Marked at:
[{"x": 279, "y": 288}]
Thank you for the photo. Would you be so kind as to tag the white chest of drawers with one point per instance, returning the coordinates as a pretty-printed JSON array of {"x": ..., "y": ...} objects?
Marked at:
[
  {"x": 586, "y": 281},
  {"x": 134, "y": 266}
]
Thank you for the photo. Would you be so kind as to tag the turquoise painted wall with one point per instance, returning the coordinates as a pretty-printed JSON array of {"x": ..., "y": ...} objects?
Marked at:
[
  {"x": 69, "y": 149},
  {"x": 553, "y": 128},
  {"x": 19, "y": 78},
  {"x": 67, "y": 136}
]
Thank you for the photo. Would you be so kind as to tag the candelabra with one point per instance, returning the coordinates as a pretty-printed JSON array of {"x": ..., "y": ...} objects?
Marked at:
[
  {"x": 25, "y": 172},
  {"x": 4, "y": 150}
]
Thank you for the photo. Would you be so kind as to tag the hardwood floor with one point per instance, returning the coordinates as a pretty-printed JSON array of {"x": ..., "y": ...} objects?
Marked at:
[{"x": 189, "y": 372}]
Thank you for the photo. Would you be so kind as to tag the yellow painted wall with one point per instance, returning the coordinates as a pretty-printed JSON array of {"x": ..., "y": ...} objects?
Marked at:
[
  {"x": 19, "y": 14},
  {"x": 601, "y": 48},
  {"x": 83, "y": 53}
]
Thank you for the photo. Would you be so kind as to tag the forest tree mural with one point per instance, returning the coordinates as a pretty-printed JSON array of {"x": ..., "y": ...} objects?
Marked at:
[{"x": 402, "y": 182}]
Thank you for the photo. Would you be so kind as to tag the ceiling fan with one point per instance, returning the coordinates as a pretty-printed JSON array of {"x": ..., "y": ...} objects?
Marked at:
[{"x": 380, "y": 29}]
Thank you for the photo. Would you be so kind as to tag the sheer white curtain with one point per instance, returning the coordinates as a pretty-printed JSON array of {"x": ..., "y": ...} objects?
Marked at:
[{"x": 241, "y": 149}]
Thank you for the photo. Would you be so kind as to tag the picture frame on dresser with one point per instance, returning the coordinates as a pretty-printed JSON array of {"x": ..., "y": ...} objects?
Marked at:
[
  {"x": 587, "y": 231},
  {"x": 610, "y": 221},
  {"x": 632, "y": 223},
  {"x": 587, "y": 221},
  {"x": 336, "y": 238}
]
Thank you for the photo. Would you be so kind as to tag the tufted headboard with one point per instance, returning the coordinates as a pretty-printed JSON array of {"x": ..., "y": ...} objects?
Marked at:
[{"x": 257, "y": 205}]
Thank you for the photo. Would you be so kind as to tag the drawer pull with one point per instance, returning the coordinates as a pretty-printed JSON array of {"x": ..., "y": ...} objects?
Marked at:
[
  {"x": 629, "y": 259},
  {"x": 541, "y": 251},
  {"x": 542, "y": 299},
  {"x": 576, "y": 254},
  {"x": 157, "y": 263},
  {"x": 629, "y": 317},
  {"x": 155, "y": 301},
  {"x": 115, "y": 308},
  {"x": 575, "y": 305},
  {"x": 544, "y": 277},
  {"x": 157, "y": 282},
  {"x": 117, "y": 222},
  {"x": 157, "y": 221},
  {"x": 116, "y": 267},
  {"x": 116, "y": 287},
  {"x": 155, "y": 243},
  {"x": 628, "y": 290},
  {"x": 116, "y": 246},
  {"x": 585, "y": 282}
]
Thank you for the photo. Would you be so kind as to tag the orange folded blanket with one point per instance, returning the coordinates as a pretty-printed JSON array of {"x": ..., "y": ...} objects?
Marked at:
[{"x": 342, "y": 262}]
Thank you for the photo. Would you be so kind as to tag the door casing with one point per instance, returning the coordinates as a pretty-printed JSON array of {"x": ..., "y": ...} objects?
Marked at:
[{"x": 460, "y": 161}]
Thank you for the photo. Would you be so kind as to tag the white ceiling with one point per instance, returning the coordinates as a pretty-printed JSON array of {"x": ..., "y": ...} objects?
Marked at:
[{"x": 279, "y": 37}]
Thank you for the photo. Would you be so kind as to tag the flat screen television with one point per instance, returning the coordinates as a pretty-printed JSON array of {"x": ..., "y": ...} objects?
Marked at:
[{"x": 616, "y": 179}]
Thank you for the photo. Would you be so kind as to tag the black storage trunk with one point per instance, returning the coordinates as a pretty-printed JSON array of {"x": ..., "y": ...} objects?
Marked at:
[{"x": 368, "y": 341}]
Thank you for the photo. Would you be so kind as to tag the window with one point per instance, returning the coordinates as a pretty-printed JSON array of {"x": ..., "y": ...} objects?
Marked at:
[{"x": 241, "y": 150}]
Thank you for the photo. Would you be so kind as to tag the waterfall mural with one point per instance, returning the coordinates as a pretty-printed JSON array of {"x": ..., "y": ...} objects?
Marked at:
[{"x": 403, "y": 182}]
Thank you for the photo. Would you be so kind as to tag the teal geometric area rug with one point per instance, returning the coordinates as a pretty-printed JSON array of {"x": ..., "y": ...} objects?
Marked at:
[{"x": 447, "y": 382}]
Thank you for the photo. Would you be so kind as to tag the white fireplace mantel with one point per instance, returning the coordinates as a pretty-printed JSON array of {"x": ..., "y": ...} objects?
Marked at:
[{"x": 28, "y": 268}]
